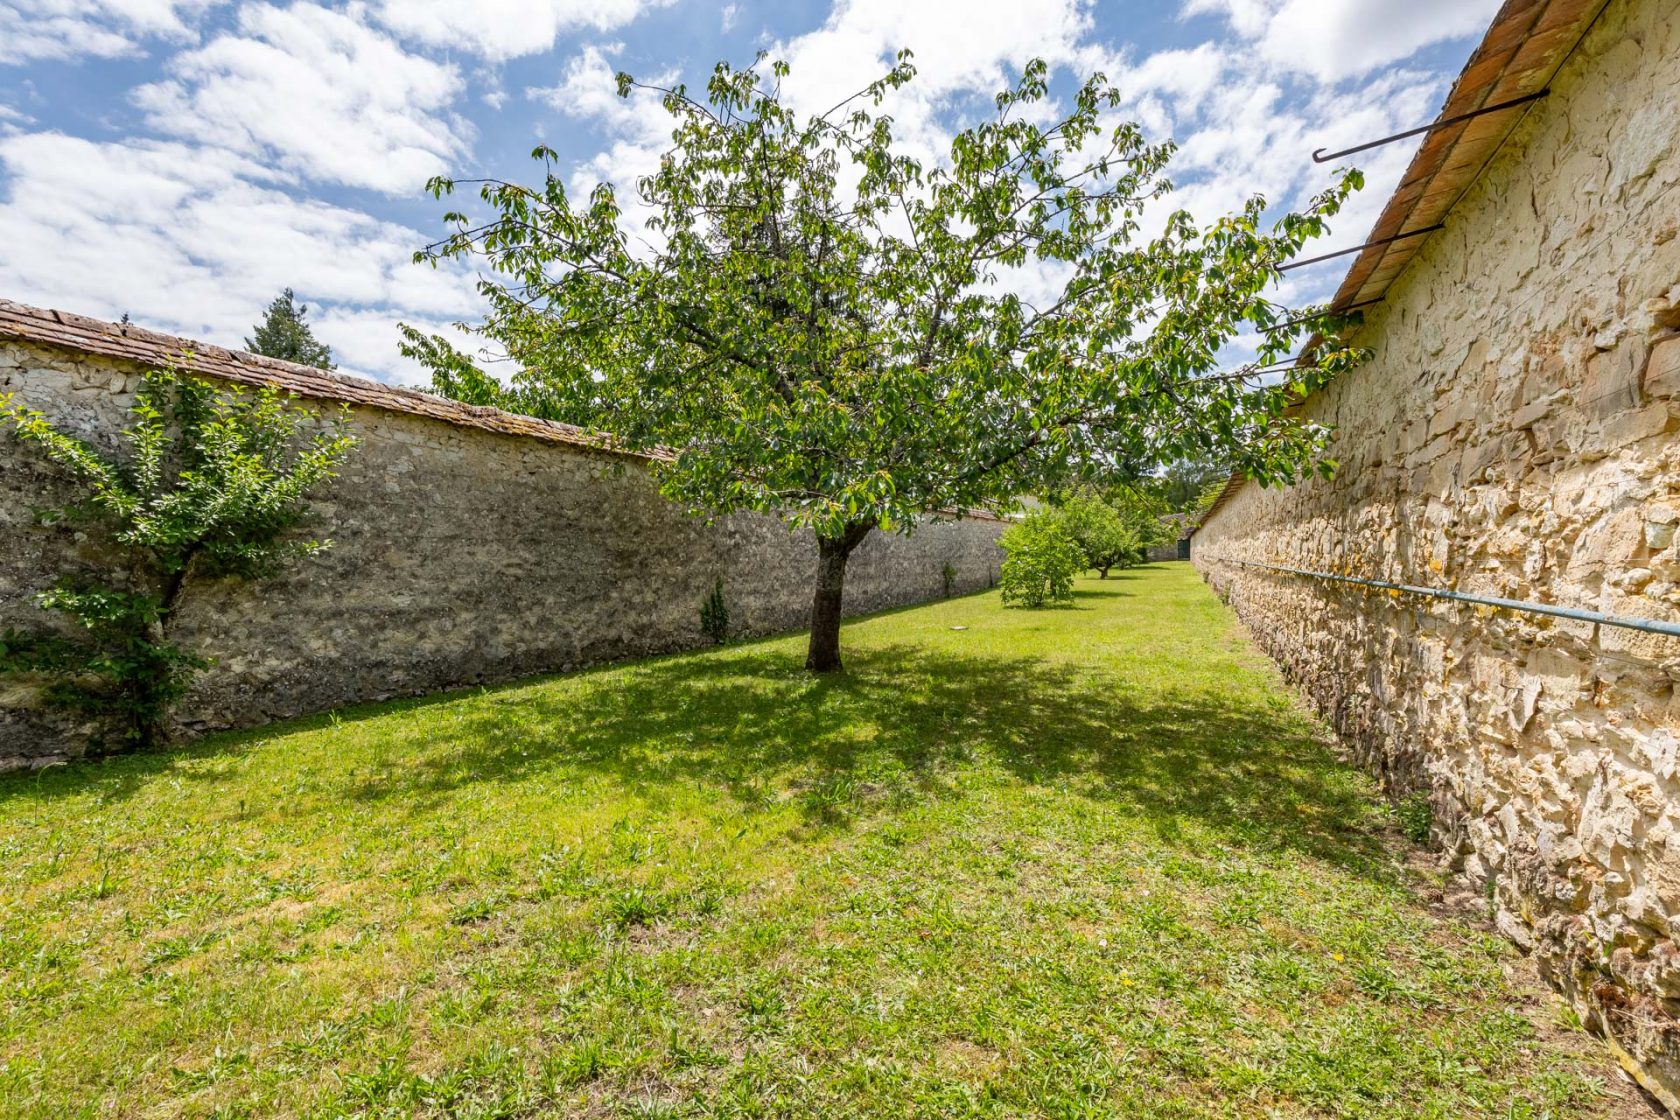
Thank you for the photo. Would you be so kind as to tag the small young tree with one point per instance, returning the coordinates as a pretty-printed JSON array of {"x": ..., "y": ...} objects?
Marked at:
[
  {"x": 826, "y": 328},
  {"x": 1096, "y": 527},
  {"x": 1143, "y": 513},
  {"x": 210, "y": 485},
  {"x": 284, "y": 334},
  {"x": 714, "y": 615},
  {"x": 1041, "y": 559}
]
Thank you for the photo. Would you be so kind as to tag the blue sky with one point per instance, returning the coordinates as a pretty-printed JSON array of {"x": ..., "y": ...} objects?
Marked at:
[{"x": 183, "y": 160}]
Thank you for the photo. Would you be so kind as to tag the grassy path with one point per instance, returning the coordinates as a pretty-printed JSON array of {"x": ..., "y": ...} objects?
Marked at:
[{"x": 1067, "y": 863}]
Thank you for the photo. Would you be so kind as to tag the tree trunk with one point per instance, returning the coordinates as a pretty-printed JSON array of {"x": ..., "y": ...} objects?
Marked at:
[
  {"x": 823, "y": 654},
  {"x": 152, "y": 686},
  {"x": 1104, "y": 572}
]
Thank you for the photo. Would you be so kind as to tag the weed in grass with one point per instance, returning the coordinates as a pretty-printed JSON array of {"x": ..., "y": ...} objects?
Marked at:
[
  {"x": 1416, "y": 816},
  {"x": 635, "y": 906},
  {"x": 576, "y": 1064},
  {"x": 478, "y": 909},
  {"x": 649, "y": 1107},
  {"x": 762, "y": 1009}
]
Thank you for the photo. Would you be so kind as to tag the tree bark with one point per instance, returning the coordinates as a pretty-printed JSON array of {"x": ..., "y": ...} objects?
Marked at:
[
  {"x": 823, "y": 654},
  {"x": 150, "y": 711}
]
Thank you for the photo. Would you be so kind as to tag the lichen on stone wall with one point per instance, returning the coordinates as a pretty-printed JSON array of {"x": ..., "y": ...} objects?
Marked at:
[{"x": 1517, "y": 435}]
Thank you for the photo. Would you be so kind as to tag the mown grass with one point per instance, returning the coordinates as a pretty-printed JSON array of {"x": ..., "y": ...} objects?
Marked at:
[{"x": 1069, "y": 863}]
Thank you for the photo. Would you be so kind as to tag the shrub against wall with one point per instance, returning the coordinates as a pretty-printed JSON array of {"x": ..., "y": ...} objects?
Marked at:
[
  {"x": 714, "y": 615},
  {"x": 210, "y": 485}
]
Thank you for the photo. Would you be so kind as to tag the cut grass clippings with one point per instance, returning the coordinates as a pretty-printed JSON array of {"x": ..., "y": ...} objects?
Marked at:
[{"x": 1063, "y": 863}]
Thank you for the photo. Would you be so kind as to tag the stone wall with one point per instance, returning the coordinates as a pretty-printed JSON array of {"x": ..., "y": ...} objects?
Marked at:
[
  {"x": 460, "y": 556},
  {"x": 1162, "y": 553},
  {"x": 1515, "y": 437}
]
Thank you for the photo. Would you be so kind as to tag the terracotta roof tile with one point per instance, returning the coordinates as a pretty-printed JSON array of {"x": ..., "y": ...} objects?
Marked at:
[
  {"x": 64, "y": 331},
  {"x": 1522, "y": 49}
]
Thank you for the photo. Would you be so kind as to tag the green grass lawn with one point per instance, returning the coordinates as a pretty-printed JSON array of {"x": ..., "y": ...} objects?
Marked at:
[{"x": 1063, "y": 863}]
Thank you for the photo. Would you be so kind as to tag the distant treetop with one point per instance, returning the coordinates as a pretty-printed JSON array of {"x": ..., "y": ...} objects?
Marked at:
[{"x": 283, "y": 334}]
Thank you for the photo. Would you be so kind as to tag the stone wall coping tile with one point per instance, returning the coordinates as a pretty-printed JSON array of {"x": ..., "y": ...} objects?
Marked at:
[
  {"x": 64, "y": 330},
  {"x": 80, "y": 334}
]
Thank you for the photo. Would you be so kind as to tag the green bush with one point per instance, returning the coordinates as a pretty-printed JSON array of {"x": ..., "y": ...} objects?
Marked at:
[
  {"x": 1041, "y": 563},
  {"x": 714, "y": 615},
  {"x": 210, "y": 485}
]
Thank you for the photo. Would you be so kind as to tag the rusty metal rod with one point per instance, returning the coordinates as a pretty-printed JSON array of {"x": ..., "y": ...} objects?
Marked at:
[
  {"x": 1321, "y": 156},
  {"x": 1360, "y": 248},
  {"x": 1325, "y": 314}
]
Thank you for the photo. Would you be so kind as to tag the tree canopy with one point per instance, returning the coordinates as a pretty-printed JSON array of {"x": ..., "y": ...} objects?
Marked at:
[
  {"x": 824, "y": 327},
  {"x": 284, "y": 333},
  {"x": 1180, "y": 483}
]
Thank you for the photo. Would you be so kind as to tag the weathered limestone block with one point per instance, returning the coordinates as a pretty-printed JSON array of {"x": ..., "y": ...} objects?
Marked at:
[{"x": 1662, "y": 369}]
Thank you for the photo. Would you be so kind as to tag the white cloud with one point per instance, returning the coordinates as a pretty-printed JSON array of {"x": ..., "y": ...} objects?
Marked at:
[
  {"x": 318, "y": 93},
  {"x": 588, "y": 91},
  {"x": 1352, "y": 37},
  {"x": 190, "y": 240},
  {"x": 363, "y": 340},
  {"x": 960, "y": 46},
  {"x": 730, "y": 13},
  {"x": 12, "y": 120},
  {"x": 1247, "y": 17},
  {"x": 1187, "y": 77},
  {"x": 42, "y": 29},
  {"x": 503, "y": 29},
  {"x": 1337, "y": 39}
]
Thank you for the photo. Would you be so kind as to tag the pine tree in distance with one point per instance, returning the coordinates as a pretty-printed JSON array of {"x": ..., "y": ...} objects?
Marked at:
[{"x": 283, "y": 334}]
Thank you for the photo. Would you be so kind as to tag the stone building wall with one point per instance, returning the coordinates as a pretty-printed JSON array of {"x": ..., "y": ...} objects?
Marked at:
[
  {"x": 460, "y": 556},
  {"x": 1518, "y": 435}
]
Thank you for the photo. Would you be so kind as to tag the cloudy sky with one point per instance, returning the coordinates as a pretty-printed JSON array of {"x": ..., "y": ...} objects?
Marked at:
[{"x": 183, "y": 160}]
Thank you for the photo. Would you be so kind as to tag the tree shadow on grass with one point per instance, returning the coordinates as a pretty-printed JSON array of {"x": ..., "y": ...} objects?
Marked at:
[{"x": 1249, "y": 770}]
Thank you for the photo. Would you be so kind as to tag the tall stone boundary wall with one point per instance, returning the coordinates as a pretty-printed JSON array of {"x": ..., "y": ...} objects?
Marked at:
[
  {"x": 460, "y": 556},
  {"x": 1518, "y": 436}
]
